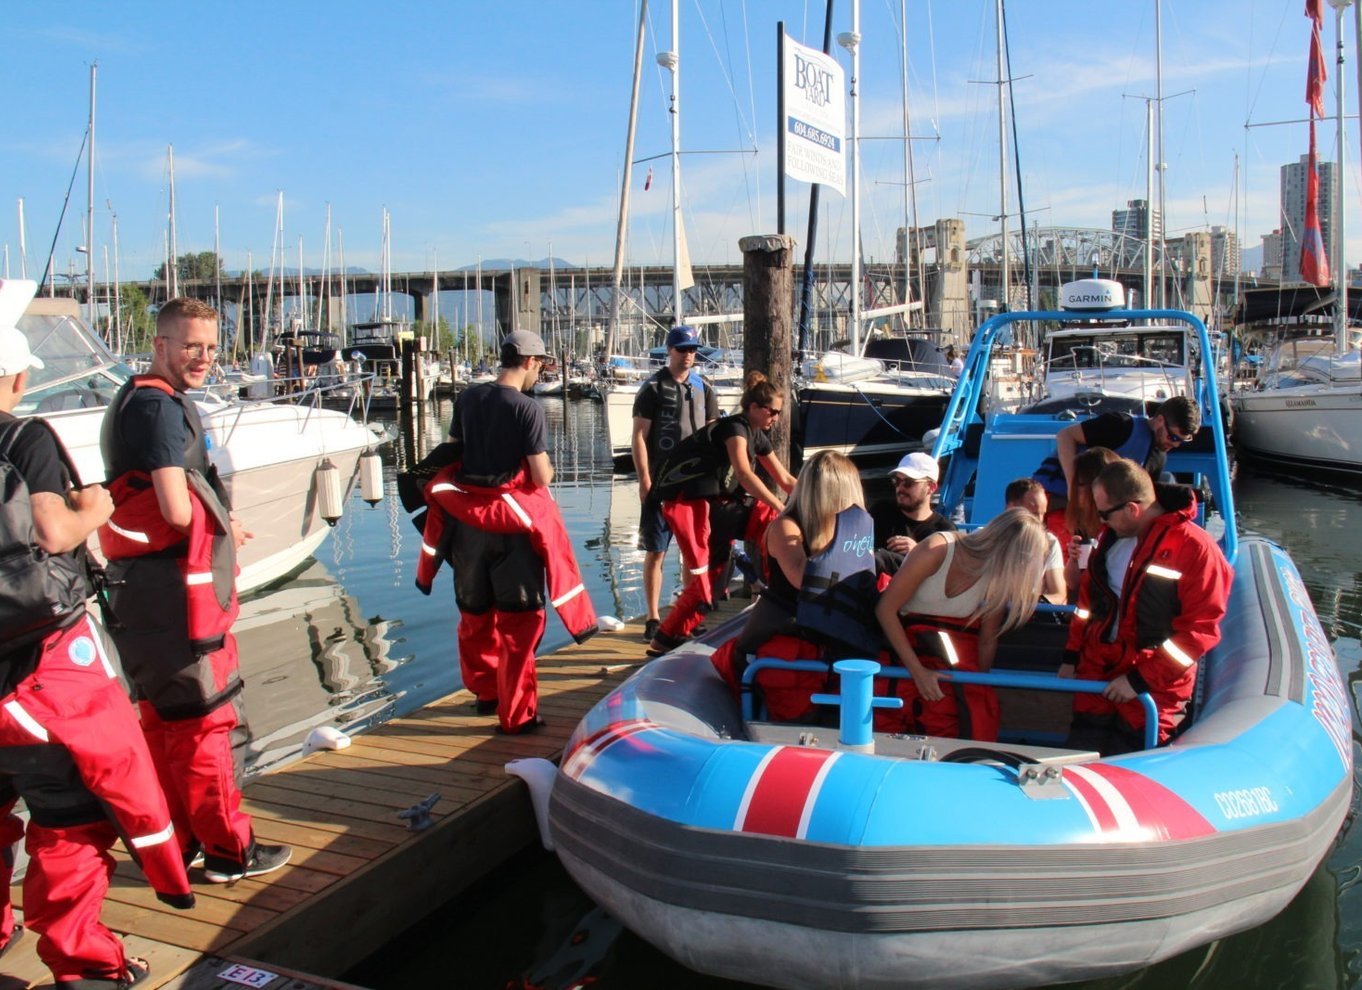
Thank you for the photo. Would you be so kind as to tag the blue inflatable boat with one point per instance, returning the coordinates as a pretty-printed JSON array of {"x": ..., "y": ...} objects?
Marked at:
[{"x": 797, "y": 856}]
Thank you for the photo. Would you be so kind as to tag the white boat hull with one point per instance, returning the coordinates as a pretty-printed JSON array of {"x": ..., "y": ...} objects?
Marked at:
[
  {"x": 1306, "y": 426},
  {"x": 267, "y": 455},
  {"x": 619, "y": 417}
]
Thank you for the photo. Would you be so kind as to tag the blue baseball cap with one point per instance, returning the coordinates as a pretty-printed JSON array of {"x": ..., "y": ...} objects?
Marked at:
[{"x": 682, "y": 337}]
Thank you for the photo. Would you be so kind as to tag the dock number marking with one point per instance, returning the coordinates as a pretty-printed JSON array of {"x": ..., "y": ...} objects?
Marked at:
[{"x": 247, "y": 976}]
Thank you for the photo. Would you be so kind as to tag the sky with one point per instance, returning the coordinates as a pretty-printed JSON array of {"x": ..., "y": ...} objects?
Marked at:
[{"x": 496, "y": 128}]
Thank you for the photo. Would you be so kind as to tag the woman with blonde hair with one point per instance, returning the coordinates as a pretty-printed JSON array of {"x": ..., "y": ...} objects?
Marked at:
[
  {"x": 742, "y": 509},
  {"x": 799, "y": 544},
  {"x": 945, "y": 609}
]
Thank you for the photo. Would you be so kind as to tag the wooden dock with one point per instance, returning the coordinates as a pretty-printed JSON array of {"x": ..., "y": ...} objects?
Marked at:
[{"x": 359, "y": 876}]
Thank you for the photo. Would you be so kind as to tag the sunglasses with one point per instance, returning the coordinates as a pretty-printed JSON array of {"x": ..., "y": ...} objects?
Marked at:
[
  {"x": 1179, "y": 438},
  {"x": 902, "y": 481},
  {"x": 772, "y": 411},
  {"x": 1105, "y": 514}
]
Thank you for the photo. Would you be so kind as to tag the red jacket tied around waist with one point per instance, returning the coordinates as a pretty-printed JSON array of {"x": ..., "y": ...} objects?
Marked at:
[{"x": 515, "y": 507}]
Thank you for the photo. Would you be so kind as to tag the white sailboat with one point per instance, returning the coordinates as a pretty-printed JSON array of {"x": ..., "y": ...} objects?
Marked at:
[{"x": 1306, "y": 407}]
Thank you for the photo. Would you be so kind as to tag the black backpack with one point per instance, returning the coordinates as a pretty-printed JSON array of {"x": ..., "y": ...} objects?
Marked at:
[
  {"x": 697, "y": 467},
  {"x": 39, "y": 591}
]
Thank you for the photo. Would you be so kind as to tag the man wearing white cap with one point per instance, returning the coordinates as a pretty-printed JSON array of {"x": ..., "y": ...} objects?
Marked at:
[{"x": 909, "y": 519}]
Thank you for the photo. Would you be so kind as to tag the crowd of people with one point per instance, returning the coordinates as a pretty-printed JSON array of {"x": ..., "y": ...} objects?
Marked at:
[{"x": 160, "y": 765}]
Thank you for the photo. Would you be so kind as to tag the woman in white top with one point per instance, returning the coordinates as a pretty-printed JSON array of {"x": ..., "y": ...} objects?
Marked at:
[{"x": 966, "y": 588}]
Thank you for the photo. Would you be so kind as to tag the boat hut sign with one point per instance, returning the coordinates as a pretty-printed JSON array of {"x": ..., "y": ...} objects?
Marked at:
[{"x": 815, "y": 117}]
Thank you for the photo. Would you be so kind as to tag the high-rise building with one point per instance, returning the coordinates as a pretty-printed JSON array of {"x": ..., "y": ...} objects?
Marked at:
[
  {"x": 1224, "y": 253},
  {"x": 1133, "y": 222},
  {"x": 1294, "y": 179},
  {"x": 1272, "y": 257}
]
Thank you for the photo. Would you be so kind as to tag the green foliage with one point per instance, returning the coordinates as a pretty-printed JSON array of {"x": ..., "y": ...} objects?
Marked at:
[
  {"x": 139, "y": 325},
  {"x": 204, "y": 264}
]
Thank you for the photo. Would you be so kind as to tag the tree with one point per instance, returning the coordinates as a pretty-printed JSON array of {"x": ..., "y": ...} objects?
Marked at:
[
  {"x": 139, "y": 325},
  {"x": 203, "y": 265}
]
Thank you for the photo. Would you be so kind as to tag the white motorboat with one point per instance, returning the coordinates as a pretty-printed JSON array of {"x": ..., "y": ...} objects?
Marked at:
[{"x": 268, "y": 453}]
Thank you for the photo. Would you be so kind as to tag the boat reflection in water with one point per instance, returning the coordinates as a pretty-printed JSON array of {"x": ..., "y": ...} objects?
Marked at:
[{"x": 311, "y": 657}]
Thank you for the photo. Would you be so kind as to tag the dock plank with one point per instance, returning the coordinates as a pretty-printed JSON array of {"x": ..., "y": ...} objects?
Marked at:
[{"x": 359, "y": 876}]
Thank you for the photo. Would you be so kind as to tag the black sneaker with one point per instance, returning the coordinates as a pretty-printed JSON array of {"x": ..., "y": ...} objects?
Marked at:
[
  {"x": 650, "y": 629},
  {"x": 260, "y": 859},
  {"x": 193, "y": 858}
]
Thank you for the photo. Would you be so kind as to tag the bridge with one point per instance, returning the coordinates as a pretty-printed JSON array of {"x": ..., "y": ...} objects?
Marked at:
[{"x": 958, "y": 282}]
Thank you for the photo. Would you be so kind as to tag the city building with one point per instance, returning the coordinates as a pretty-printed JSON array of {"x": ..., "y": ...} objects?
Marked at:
[{"x": 1293, "y": 181}]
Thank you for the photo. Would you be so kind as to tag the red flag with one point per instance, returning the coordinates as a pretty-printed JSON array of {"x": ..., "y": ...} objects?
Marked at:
[
  {"x": 1315, "y": 75},
  {"x": 1314, "y": 9},
  {"x": 1314, "y": 260},
  {"x": 648, "y": 182}
]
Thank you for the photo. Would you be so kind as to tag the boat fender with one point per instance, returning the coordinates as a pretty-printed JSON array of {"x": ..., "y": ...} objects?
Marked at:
[
  {"x": 325, "y": 737},
  {"x": 609, "y": 623},
  {"x": 538, "y": 776}
]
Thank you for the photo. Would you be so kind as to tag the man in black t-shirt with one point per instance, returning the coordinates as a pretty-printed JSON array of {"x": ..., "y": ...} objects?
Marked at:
[
  {"x": 70, "y": 744},
  {"x": 670, "y": 406},
  {"x": 1144, "y": 440},
  {"x": 498, "y": 577},
  {"x": 909, "y": 519}
]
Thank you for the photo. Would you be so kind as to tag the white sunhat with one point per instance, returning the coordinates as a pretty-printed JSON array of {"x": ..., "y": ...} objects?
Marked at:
[{"x": 15, "y": 354}]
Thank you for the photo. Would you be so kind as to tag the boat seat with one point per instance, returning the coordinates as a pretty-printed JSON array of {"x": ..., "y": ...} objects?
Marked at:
[{"x": 1012, "y": 447}]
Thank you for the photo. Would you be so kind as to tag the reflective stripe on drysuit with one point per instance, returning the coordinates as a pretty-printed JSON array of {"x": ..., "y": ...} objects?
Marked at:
[
  {"x": 70, "y": 745},
  {"x": 515, "y": 507},
  {"x": 741, "y": 518},
  {"x": 965, "y": 711},
  {"x": 174, "y": 596},
  {"x": 1174, "y": 595},
  {"x": 1135, "y": 448}
]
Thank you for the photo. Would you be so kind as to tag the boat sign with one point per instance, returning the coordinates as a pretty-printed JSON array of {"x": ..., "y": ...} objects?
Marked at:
[
  {"x": 1092, "y": 293},
  {"x": 247, "y": 976}
]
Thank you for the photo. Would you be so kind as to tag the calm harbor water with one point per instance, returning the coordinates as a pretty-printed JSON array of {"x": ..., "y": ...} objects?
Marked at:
[{"x": 350, "y": 639}]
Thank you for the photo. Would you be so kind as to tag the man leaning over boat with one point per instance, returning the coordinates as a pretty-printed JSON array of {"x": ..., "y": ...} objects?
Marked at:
[{"x": 1149, "y": 607}]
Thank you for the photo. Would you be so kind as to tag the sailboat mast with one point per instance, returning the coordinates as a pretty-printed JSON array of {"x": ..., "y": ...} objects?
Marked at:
[
  {"x": 851, "y": 41},
  {"x": 23, "y": 242},
  {"x": 1340, "y": 263},
  {"x": 671, "y": 60},
  {"x": 1148, "y": 201},
  {"x": 172, "y": 272},
  {"x": 90, "y": 206},
  {"x": 217, "y": 258},
  {"x": 1005, "y": 273},
  {"x": 622, "y": 221},
  {"x": 117, "y": 291},
  {"x": 1162, "y": 166}
]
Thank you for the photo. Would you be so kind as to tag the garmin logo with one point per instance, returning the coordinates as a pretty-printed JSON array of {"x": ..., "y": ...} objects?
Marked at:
[
  {"x": 814, "y": 80},
  {"x": 1101, "y": 297}
]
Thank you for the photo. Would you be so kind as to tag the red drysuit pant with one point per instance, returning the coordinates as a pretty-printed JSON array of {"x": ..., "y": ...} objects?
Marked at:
[{"x": 496, "y": 659}]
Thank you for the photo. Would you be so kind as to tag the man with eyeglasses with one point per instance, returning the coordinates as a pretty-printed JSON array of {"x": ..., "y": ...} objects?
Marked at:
[
  {"x": 171, "y": 545},
  {"x": 671, "y": 405},
  {"x": 1149, "y": 607},
  {"x": 1146, "y": 440},
  {"x": 908, "y": 519}
]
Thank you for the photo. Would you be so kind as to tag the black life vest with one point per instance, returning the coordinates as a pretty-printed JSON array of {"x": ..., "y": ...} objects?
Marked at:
[
  {"x": 837, "y": 595},
  {"x": 698, "y": 467},
  {"x": 681, "y": 410},
  {"x": 1137, "y": 448},
  {"x": 39, "y": 591}
]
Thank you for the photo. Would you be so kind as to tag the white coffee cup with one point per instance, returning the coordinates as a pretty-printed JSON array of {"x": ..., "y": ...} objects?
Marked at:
[{"x": 1084, "y": 552}]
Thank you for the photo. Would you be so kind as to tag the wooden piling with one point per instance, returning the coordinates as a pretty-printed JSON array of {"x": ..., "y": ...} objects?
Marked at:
[{"x": 768, "y": 320}]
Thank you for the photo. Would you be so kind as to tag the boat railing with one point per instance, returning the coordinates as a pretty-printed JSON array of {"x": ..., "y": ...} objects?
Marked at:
[
  {"x": 994, "y": 678},
  {"x": 307, "y": 394}
]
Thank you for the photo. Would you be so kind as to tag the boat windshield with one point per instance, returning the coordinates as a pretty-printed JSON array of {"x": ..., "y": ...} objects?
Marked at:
[
  {"x": 78, "y": 370},
  {"x": 1126, "y": 351}
]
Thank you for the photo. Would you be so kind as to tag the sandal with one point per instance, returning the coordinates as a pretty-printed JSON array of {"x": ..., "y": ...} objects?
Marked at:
[{"x": 137, "y": 970}]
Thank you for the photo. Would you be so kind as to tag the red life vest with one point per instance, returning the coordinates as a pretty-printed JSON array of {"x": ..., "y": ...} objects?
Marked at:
[
  {"x": 138, "y": 534},
  {"x": 515, "y": 507}
]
